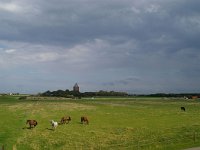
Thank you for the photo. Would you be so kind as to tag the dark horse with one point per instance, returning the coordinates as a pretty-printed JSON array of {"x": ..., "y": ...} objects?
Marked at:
[
  {"x": 183, "y": 108},
  {"x": 84, "y": 119},
  {"x": 65, "y": 119},
  {"x": 31, "y": 123}
]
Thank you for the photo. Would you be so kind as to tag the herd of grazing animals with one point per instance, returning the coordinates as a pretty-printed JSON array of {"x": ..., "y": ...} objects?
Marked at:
[{"x": 64, "y": 120}]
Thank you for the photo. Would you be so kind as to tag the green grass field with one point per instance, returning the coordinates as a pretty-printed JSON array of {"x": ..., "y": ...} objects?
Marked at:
[{"x": 115, "y": 123}]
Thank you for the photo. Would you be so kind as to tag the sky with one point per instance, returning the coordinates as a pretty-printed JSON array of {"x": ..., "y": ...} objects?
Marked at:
[{"x": 134, "y": 46}]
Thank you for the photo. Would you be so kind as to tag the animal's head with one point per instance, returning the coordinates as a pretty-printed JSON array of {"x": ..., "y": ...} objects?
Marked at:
[{"x": 27, "y": 121}]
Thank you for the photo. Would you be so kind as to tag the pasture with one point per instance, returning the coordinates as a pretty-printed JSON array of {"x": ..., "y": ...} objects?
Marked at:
[{"x": 114, "y": 123}]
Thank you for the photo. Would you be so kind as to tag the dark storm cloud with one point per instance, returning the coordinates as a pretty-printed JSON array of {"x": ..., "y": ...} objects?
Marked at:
[
  {"x": 67, "y": 22},
  {"x": 61, "y": 22}
]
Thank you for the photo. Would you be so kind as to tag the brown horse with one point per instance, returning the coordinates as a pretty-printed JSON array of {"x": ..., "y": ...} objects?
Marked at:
[
  {"x": 31, "y": 123},
  {"x": 65, "y": 119},
  {"x": 84, "y": 119}
]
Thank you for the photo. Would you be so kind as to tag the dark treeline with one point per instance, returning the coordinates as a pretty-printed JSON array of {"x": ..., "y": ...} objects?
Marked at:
[
  {"x": 104, "y": 93},
  {"x": 188, "y": 95},
  {"x": 71, "y": 94},
  {"x": 60, "y": 93}
]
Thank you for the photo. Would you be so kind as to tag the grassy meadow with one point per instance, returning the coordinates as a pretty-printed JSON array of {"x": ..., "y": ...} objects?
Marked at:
[{"x": 115, "y": 123}]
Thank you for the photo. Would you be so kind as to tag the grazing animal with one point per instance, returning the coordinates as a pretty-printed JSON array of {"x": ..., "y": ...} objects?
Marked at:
[
  {"x": 65, "y": 119},
  {"x": 84, "y": 119},
  {"x": 31, "y": 123},
  {"x": 183, "y": 108},
  {"x": 54, "y": 124}
]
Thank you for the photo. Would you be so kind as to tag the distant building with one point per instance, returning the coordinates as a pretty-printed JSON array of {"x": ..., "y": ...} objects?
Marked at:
[{"x": 76, "y": 88}]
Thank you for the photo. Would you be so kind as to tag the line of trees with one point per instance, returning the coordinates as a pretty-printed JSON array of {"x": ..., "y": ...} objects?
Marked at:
[
  {"x": 74, "y": 94},
  {"x": 188, "y": 95},
  {"x": 104, "y": 93},
  {"x": 71, "y": 94}
]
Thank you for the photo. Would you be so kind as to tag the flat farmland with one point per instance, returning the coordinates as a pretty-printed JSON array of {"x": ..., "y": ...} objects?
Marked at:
[{"x": 114, "y": 123}]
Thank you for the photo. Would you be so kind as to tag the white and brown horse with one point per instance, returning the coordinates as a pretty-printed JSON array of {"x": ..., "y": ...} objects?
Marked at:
[{"x": 54, "y": 124}]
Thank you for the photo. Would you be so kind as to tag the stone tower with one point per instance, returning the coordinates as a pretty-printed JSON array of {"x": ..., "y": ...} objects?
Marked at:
[{"x": 76, "y": 88}]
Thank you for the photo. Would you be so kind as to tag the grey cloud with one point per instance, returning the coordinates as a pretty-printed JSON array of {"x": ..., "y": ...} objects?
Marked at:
[
  {"x": 70, "y": 22},
  {"x": 125, "y": 81},
  {"x": 102, "y": 41}
]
